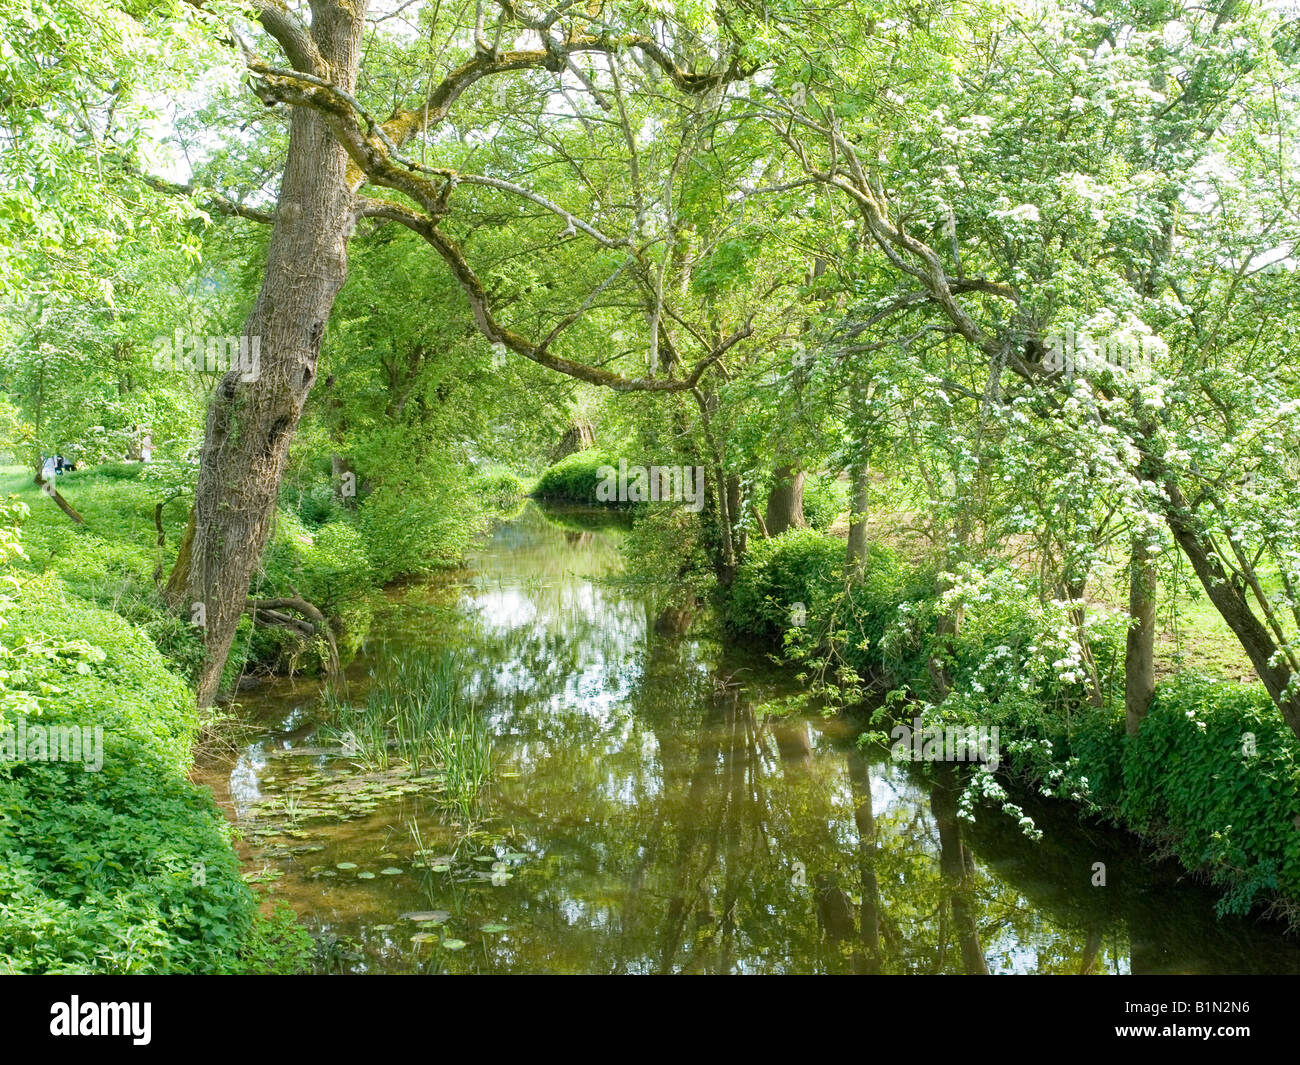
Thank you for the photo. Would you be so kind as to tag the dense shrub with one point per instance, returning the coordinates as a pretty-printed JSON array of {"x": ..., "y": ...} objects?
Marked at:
[
  {"x": 418, "y": 525},
  {"x": 574, "y": 478},
  {"x": 877, "y": 622},
  {"x": 499, "y": 488},
  {"x": 665, "y": 553},
  {"x": 315, "y": 506},
  {"x": 1214, "y": 772},
  {"x": 125, "y": 869},
  {"x": 327, "y": 565},
  {"x": 801, "y": 566}
]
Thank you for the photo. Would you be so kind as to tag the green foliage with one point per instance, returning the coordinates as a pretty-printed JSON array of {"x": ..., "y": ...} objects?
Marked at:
[
  {"x": 1215, "y": 773},
  {"x": 575, "y": 477},
  {"x": 277, "y": 945},
  {"x": 500, "y": 488},
  {"x": 328, "y": 565},
  {"x": 125, "y": 869},
  {"x": 330, "y": 568},
  {"x": 317, "y": 505},
  {"x": 877, "y": 625},
  {"x": 801, "y": 566},
  {"x": 110, "y": 560},
  {"x": 824, "y": 500},
  {"x": 419, "y": 523},
  {"x": 729, "y": 265},
  {"x": 873, "y": 629},
  {"x": 665, "y": 552},
  {"x": 1050, "y": 176},
  {"x": 12, "y": 512}
]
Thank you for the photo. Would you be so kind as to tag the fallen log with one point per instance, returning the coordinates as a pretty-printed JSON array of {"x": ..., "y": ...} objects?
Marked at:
[{"x": 312, "y": 624}]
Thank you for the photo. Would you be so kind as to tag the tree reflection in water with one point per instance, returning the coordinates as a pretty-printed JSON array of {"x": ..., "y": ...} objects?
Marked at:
[{"x": 672, "y": 825}]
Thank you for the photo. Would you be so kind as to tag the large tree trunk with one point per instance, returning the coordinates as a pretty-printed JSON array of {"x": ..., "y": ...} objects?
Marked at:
[
  {"x": 1230, "y": 600},
  {"x": 250, "y": 423},
  {"x": 785, "y": 501},
  {"x": 1140, "y": 648},
  {"x": 725, "y": 562},
  {"x": 580, "y": 436},
  {"x": 179, "y": 579}
]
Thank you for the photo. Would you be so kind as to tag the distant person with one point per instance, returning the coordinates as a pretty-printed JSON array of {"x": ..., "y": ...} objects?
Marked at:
[
  {"x": 146, "y": 448},
  {"x": 49, "y": 468}
]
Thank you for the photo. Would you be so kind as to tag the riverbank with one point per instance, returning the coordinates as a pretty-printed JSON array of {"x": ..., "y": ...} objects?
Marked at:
[
  {"x": 1211, "y": 778},
  {"x": 106, "y": 841},
  {"x": 126, "y": 865},
  {"x": 655, "y": 813}
]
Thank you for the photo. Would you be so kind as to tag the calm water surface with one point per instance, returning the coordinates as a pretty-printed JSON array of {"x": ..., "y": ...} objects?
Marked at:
[{"x": 648, "y": 816}]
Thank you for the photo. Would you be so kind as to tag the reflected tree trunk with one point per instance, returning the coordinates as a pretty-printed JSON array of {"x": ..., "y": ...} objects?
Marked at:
[
  {"x": 793, "y": 742},
  {"x": 957, "y": 865},
  {"x": 1091, "y": 951},
  {"x": 870, "y": 960},
  {"x": 702, "y": 779}
]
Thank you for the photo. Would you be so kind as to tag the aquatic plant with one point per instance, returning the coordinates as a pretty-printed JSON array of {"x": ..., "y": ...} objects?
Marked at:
[{"x": 415, "y": 714}]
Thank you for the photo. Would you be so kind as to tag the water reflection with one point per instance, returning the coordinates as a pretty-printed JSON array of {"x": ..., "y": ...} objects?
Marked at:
[{"x": 661, "y": 823}]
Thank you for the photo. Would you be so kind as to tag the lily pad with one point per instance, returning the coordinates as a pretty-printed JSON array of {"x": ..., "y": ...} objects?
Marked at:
[
  {"x": 346, "y": 865},
  {"x": 392, "y": 870},
  {"x": 366, "y": 876},
  {"x": 493, "y": 928},
  {"x": 434, "y": 916},
  {"x": 454, "y": 944}
]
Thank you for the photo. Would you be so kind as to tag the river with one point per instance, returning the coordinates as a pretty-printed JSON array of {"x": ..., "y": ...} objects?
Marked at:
[{"x": 648, "y": 814}]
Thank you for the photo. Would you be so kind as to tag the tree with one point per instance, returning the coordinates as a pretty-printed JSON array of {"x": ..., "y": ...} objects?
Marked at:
[{"x": 998, "y": 270}]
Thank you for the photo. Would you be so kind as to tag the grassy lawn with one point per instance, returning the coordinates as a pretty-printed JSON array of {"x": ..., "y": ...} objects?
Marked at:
[{"x": 1192, "y": 636}]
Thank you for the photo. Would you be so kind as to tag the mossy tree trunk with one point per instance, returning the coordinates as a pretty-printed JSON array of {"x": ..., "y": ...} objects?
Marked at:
[
  {"x": 785, "y": 501},
  {"x": 251, "y": 422}
]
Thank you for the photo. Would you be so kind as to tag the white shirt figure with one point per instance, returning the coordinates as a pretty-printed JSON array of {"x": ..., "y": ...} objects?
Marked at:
[
  {"x": 48, "y": 471},
  {"x": 146, "y": 448}
]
